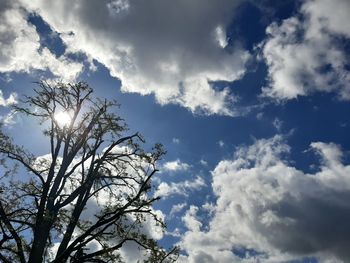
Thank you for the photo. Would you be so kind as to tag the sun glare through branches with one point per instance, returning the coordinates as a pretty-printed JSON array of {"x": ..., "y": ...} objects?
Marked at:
[{"x": 63, "y": 118}]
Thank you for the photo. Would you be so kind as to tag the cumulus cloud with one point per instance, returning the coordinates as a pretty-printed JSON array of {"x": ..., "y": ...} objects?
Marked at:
[
  {"x": 180, "y": 188},
  {"x": 20, "y": 49},
  {"x": 172, "y": 49},
  {"x": 12, "y": 99},
  {"x": 190, "y": 219},
  {"x": 176, "y": 165},
  {"x": 304, "y": 54},
  {"x": 274, "y": 210}
]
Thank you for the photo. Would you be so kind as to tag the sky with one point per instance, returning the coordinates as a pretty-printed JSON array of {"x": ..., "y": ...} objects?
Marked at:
[{"x": 251, "y": 100}]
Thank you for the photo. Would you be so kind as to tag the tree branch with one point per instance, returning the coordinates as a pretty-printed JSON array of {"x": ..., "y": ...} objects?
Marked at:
[{"x": 13, "y": 233}]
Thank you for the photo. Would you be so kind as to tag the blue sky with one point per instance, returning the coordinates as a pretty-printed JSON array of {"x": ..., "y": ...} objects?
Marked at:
[{"x": 251, "y": 99}]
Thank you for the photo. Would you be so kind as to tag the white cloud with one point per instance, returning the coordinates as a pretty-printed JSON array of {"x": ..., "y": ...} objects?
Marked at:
[
  {"x": 190, "y": 219},
  {"x": 277, "y": 123},
  {"x": 221, "y": 36},
  {"x": 8, "y": 119},
  {"x": 177, "y": 208},
  {"x": 172, "y": 49},
  {"x": 176, "y": 140},
  {"x": 176, "y": 165},
  {"x": 267, "y": 205},
  {"x": 259, "y": 116},
  {"x": 209, "y": 207},
  {"x": 221, "y": 143},
  {"x": 12, "y": 99},
  {"x": 20, "y": 49},
  {"x": 175, "y": 233},
  {"x": 303, "y": 55},
  {"x": 203, "y": 162},
  {"x": 180, "y": 188}
]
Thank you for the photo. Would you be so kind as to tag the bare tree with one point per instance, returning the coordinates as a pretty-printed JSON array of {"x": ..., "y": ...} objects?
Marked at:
[{"x": 89, "y": 196}]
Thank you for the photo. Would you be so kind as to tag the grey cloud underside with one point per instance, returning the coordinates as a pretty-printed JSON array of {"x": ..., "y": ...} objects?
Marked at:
[
  {"x": 172, "y": 49},
  {"x": 321, "y": 224},
  {"x": 267, "y": 205},
  {"x": 176, "y": 50}
]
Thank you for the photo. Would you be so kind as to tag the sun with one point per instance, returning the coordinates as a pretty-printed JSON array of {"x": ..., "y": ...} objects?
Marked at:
[{"x": 63, "y": 118}]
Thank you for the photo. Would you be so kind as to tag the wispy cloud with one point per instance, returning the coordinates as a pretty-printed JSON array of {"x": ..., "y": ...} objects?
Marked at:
[
  {"x": 176, "y": 140},
  {"x": 8, "y": 119},
  {"x": 203, "y": 162},
  {"x": 221, "y": 143},
  {"x": 177, "y": 208},
  {"x": 277, "y": 123}
]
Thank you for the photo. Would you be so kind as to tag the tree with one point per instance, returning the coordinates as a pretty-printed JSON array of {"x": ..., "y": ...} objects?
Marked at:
[{"x": 89, "y": 196}]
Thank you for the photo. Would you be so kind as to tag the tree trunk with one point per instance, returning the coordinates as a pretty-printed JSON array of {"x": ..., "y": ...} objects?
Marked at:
[
  {"x": 70, "y": 228},
  {"x": 41, "y": 235}
]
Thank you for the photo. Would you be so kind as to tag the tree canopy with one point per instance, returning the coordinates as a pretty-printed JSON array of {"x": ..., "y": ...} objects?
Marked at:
[{"x": 89, "y": 197}]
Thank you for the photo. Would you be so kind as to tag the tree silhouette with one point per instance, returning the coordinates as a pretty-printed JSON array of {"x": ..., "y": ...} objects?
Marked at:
[{"x": 89, "y": 196}]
